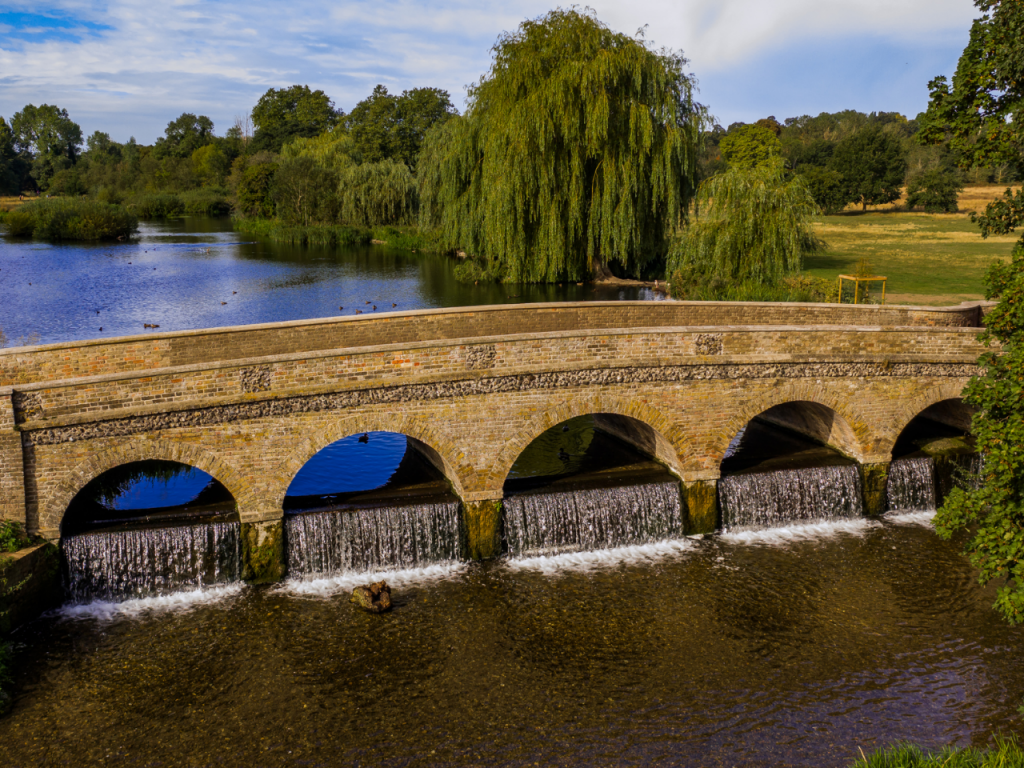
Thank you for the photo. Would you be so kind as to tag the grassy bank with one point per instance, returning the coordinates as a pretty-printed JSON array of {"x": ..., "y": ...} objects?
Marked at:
[
  {"x": 937, "y": 258},
  {"x": 1005, "y": 754},
  {"x": 70, "y": 218},
  {"x": 404, "y": 238},
  {"x": 165, "y": 205}
]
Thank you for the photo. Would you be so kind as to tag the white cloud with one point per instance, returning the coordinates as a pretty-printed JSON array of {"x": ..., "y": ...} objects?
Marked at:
[{"x": 217, "y": 58}]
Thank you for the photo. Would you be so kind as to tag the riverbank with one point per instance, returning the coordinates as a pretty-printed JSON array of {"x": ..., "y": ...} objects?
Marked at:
[
  {"x": 1006, "y": 753},
  {"x": 333, "y": 236}
]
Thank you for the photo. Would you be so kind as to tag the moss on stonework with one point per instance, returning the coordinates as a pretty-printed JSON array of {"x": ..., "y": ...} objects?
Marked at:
[
  {"x": 29, "y": 585},
  {"x": 482, "y": 520},
  {"x": 701, "y": 498},
  {"x": 263, "y": 552},
  {"x": 947, "y": 446},
  {"x": 873, "y": 479}
]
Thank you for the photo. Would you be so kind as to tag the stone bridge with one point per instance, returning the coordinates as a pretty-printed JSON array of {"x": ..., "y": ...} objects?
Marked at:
[{"x": 473, "y": 386}]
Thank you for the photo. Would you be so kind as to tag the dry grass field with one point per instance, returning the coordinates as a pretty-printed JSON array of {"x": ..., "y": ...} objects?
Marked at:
[{"x": 928, "y": 258}]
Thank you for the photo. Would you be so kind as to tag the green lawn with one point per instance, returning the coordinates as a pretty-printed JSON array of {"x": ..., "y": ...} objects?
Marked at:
[{"x": 928, "y": 258}]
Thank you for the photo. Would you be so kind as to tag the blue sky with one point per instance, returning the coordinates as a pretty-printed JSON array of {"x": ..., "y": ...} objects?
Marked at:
[{"x": 128, "y": 67}]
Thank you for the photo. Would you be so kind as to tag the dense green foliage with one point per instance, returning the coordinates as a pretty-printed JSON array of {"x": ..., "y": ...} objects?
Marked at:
[
  {"x": 71, "y": 219},
  {"x": 322, "y": 235},
  {"x": 388, "y": 127},
  {"x": 937, "y": 191},
  {"x": 981, "y": 117},
  {"x": 578, "y": 147},
  {"x": 872, "y": 165},
  {"x": 287, "y": 113},
  {"x": 50, "y": 137},
  {"x": 12, "y": 536},
  {"x": 750, "y": 146},
  {"x": 752, "y": 226},
  {"x": 1005, "y": 754}
]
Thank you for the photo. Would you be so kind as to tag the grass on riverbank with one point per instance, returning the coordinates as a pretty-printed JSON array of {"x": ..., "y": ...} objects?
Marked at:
[
  {"x": 331, "y": 236},
  {"x": 1005, "y": 754},
  {"x": 928, "y": 258},
  {"x": 70, "y": 218}
]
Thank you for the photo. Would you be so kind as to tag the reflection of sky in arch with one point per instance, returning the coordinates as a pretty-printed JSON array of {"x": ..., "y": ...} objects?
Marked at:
[
  {"x": 149, "y": 485},
  {"x": 349, "y": 465}
]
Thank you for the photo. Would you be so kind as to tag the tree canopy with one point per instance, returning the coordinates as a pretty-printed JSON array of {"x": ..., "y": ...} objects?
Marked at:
[
  {"x": 49, "y": 136},
  {"x": 286, "y": 113},
  {"x": 752, "y": 225},
  {"x": 873, "y": 165},
  {"x": 579, "y": 146},
  {"x": 384, "y": 126},
  {"x": 982, "y": 114},
  {"x": 750, "y": 146},
  {"x": 185, "y": 135}
]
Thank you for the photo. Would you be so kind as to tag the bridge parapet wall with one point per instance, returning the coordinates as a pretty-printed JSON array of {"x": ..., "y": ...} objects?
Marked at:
[{"x": 163, "y": 350}]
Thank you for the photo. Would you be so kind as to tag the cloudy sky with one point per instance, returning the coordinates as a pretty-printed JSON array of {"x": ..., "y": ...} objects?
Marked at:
[{"x": 129, "y": 66}]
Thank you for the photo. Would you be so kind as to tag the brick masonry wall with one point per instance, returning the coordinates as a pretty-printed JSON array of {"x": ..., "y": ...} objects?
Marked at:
[
  {"x": 145, "y": 352},
  {"x": 253, "y": 423}
]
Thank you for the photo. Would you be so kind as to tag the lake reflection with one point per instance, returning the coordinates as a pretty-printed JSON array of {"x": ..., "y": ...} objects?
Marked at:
[{"x": 193, "y": 273}]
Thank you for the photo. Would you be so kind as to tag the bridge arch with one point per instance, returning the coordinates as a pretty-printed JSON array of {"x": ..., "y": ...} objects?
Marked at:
[
  {"x": 823, "y": 416},
  {"x": 653, "y": 431},
  {"x": 54, "y": 507},
  {"x": 908, "y": 410},
  {"x": 442, "y": 449}
]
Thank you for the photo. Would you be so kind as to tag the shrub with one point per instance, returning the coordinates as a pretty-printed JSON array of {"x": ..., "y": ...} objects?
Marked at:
[
  {"x": 157, "y": 205},
  {"x": 72, "y": 219},
  {"x": 410, "y": 239},
  {"x": 694, "y": 286},
  {"x": 254, "y": 191},
  {"x": 205, "y": 202},
  {"x": 472, "y": 271},
  {"x": 324, "y": 234},
  {"x": 12, "y": 536}
]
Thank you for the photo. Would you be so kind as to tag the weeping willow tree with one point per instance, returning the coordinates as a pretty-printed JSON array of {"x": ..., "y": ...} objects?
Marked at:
[
  {"x": 751, "y": 226},
  {"x": 363, "y": 194},
  {"x": 578, "y": 147}
]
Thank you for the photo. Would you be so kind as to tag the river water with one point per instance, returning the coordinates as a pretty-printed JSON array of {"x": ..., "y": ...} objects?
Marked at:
[
  {"x": 784, "y": 647},
  {"x": 801, "y": 635},
  {"x": 191, "y": 273}
]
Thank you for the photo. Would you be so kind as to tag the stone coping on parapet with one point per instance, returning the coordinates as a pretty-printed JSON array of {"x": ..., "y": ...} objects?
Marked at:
[
  {"x": 717, "y": 359},
  {"x": 550, "y": 307}
]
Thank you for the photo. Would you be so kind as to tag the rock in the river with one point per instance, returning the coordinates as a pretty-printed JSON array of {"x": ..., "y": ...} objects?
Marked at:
[{"x": 375, "y": 597}]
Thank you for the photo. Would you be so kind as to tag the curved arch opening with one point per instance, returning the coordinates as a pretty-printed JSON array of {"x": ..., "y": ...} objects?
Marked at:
[
  {"x": 146, "y": 494},
  {"x": 371, "y": 501},
  {"x": 591, "y": 482},
  {"x": 934, "y": 453},
  {"x": 790, "y": 464},
  {"x": 149, "y": 527}
]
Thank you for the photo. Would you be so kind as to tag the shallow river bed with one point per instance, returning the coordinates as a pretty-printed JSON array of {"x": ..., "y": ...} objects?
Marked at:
[{"x": 786, "y": 647}]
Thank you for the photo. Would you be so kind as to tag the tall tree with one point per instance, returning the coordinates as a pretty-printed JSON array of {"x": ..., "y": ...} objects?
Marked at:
[
  {"x": 982, "y": 118},
  {"x": 578, "y": 147},
  {"x": 750, "y": 146},
  {"x": 753, "y": 225},
  {"x": 48, "y": 136},
  {"x": 8, "y": 159},
  {"x": 286, "y": 113},
  {"x": 393, "y": 127},
  {"x": 982, "y": 114},
  {"x": 873, "y": 164},
  {"x": 184, "y": 135}
]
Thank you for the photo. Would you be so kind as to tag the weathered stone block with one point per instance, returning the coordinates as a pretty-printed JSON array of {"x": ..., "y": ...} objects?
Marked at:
[
  {"x": 701, "y": 501},
  {"x": 263, "y": 552},
  {"x": 482, "y": 522},
  {"x": 873, "y": 478}
]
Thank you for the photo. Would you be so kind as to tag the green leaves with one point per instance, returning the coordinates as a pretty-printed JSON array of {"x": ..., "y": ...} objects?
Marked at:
[
  {"x": 578, "y": 147},
  {"x": 752, "y": 226}
]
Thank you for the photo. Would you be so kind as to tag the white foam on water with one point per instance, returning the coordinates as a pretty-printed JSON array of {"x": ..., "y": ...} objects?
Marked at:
[
  {"x": 328, "y": 586},
  {"x": 637, "y": 554},
  {"x": 911, "y": 517},
  {"x": 104, "y": 610},
  {"x": 806, "y": 532}
]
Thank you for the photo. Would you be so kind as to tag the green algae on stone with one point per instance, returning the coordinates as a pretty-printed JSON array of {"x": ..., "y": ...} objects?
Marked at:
[
  {"x": 263, "y": 552},
  {"x": 873, "y": 479},
  {"x": 701, "y": 502},
  {"x": 482, "y": 521}
]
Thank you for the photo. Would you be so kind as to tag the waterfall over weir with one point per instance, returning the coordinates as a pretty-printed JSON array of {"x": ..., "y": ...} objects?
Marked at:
[
  {"x": 779, "y": 498},
  {"x": 136, "y": 563},
  {"x": 911, "y": 484},
  {"x": 599, "y": 518},
  {"x": 339, "y": 541}
]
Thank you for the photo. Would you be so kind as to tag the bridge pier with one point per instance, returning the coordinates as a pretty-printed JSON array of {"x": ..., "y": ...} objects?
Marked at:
[
  {"x": 701, "y": 502},
  {"x": 873, "y": 478},
  {"x": 263, "y": 551},
  {"x": 481, "y": 519}
]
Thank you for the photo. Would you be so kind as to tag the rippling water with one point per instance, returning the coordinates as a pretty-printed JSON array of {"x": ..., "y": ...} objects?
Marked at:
[
  {"x": 759, "y": 651},
  {"x": 178, "y": 273}
]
